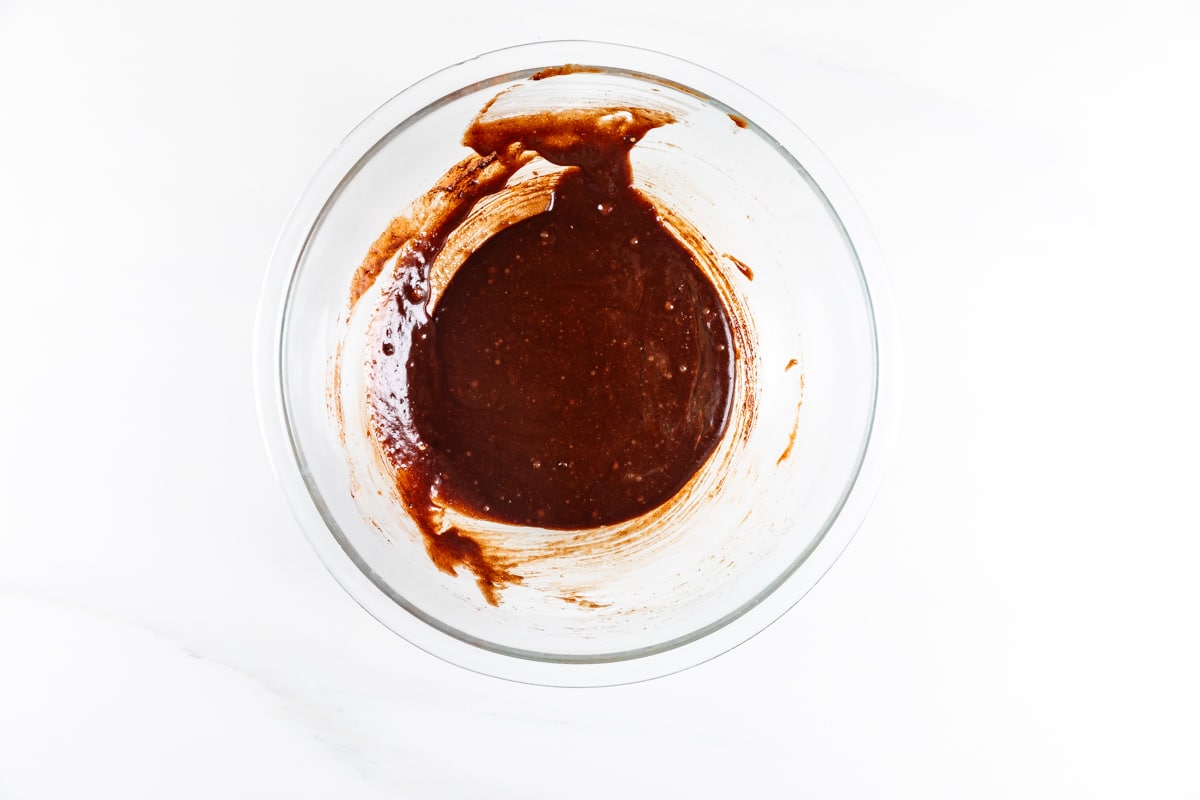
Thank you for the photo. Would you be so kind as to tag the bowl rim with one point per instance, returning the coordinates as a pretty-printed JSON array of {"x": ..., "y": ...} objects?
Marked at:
[{"x": 496, "y": 67}]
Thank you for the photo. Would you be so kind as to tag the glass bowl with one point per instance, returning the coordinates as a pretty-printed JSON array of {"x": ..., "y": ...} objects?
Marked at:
[{"x": 815, "y": 385}]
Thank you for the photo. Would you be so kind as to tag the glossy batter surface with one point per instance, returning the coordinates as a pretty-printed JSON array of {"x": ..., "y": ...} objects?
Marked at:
[{"x": 576, "y": 371}]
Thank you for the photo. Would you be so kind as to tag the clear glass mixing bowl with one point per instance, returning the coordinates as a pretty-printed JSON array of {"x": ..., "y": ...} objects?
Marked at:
[{"x": 820, "y": 384}]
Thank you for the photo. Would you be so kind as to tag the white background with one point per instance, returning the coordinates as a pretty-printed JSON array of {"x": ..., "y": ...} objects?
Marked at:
[{"x": 1016, "y": 618}]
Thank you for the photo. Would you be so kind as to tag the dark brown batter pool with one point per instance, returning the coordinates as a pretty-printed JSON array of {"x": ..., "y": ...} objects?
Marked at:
[{"x": 577, "y": 369}]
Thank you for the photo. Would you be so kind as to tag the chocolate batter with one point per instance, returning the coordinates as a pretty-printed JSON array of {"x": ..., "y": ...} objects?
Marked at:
[{"x": 576, "y": 371}]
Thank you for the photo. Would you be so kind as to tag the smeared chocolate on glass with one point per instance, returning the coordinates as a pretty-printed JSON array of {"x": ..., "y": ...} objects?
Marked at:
[{"x": 576, "y": 368}]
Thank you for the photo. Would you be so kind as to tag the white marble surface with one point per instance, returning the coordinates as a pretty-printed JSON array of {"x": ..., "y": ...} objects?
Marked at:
[{"x": 1017, "y": 618}]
